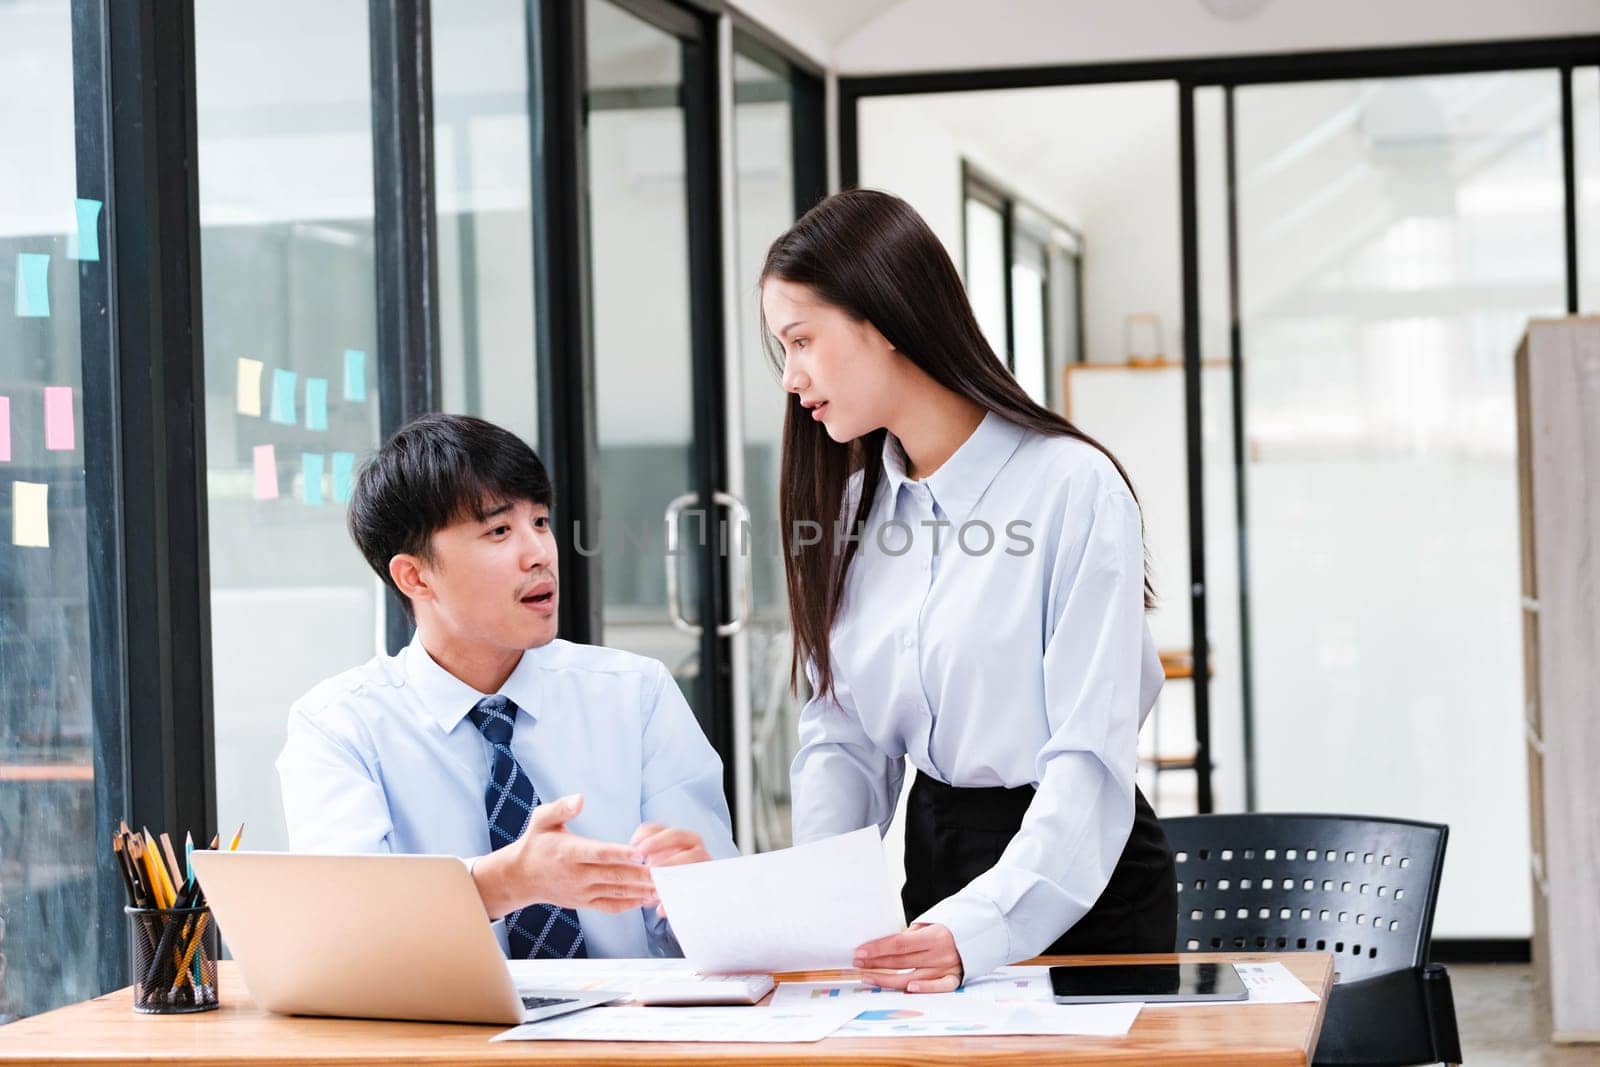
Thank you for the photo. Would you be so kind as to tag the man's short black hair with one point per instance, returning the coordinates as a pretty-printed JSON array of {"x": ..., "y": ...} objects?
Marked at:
[{"x": 434, "y": 471}]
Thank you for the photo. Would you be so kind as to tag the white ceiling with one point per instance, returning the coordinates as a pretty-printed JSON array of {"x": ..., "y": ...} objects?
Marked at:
[{"x": 887, "y": 36}]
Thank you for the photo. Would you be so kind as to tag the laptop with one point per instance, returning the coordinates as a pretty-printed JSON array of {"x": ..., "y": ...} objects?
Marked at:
[{"x": 370, "y": 936}]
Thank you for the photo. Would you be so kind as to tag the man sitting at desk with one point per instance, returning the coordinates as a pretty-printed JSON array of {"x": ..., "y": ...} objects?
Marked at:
[{"x": 450, "y": 746}]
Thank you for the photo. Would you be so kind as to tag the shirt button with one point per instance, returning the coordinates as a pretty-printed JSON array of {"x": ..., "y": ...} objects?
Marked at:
[{"x": 906, "y": 641}]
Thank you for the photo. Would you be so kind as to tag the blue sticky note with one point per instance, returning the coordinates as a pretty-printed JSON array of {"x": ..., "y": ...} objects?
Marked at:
[
  {"x": 85, "y": 244},
  {"x": 283, "y": 397},
  {"x": 311, "y": 478},
  {"x": 316, "y": 403},
  {"x": 344, "y": 469},
  {"x": 355, "y": 374},
  {"x": 33, "y": 285}
]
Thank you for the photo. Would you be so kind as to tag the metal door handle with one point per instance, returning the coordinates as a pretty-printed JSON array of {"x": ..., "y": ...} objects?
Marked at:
[{"x": 741, "y": 593}]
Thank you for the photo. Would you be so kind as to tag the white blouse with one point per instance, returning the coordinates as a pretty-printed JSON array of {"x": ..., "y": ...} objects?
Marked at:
[{"x": 992, "y": 631}]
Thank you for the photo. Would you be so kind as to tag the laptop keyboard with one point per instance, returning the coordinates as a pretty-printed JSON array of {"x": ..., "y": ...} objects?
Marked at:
[{"x": 532, "y": 1003}]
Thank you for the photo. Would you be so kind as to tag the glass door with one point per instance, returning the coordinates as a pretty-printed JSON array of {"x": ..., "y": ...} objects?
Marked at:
[
  {"x": 657, "y": 366},
  {"x": 1394, "y": 237},
  {"x": 774, "y": 179}
]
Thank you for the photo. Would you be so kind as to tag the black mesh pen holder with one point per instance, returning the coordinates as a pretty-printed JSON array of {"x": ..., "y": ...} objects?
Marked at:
[{"x": 174, "y": 953}]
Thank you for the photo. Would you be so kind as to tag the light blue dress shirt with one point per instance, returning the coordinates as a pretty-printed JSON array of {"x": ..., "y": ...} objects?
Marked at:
[
  {"x": 383, "y": 758},
  {"x": 992, "y": 631}
]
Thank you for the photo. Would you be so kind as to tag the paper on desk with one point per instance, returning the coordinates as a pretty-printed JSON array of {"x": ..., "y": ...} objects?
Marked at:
[
  {"x": 800, "y": 908},
  {"x": 1268, "y": 983},
  {"x": 812, "y": 1023},
  {"x": 1011, "y": 1000},
  {"x": 1273, "y": 983},
  {"x": 1007, "y": 986},
  {"x": 1079, "y": 1020}
]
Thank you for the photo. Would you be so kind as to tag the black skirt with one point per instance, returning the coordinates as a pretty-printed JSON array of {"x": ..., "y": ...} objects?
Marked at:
[{"x": 953, "y": 835}]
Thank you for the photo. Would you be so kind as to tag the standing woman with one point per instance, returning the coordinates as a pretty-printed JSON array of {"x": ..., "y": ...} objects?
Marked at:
[{"x": 966, "y": 583}]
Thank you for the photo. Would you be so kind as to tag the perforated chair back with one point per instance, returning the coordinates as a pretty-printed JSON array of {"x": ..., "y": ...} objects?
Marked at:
[{"x": 1361, "y": 888}]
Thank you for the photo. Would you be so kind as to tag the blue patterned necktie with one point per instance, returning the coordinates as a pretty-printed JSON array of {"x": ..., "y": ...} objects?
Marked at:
[{"x": 538, "y": 931}]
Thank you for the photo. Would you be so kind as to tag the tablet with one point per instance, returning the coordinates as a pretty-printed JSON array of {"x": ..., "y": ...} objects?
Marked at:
[{"x": 1149, "y": 983}]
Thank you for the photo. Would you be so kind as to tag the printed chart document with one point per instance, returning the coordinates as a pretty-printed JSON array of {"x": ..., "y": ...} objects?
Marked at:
[
  {"x": 801, "y": 908},
  {"x": 1011, "y": 1000},
  {"x": 808, "y": 1023},
  {"x": 1268, "y": 983}
]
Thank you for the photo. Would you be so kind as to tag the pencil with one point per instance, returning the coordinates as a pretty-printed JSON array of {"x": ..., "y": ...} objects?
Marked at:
[
  {"x": 158, "y": 870},
  {"x": 174, "y": 872},
  {"x": 152, "y": 885},
  {"x": 234, "y": 844}
]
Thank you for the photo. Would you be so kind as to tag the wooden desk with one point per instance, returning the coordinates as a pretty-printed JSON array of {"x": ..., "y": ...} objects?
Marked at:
[{"x": 106, "y": 1030}]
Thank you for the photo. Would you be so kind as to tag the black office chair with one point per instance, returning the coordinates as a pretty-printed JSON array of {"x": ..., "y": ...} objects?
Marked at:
[{"x": 1362, "y": 889}]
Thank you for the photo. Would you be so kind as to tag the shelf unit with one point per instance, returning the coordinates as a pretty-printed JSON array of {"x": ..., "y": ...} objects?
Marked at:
[{"x": 1558, "y": 461}]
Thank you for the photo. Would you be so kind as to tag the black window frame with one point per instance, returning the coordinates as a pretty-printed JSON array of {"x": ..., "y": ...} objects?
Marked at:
[
  {"x": 982, "y": 187},
  {"x": 143, "y": 355}
]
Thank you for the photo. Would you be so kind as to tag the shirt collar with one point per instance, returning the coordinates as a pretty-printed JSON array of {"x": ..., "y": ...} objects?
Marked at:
[
  {"x": 961, "y": 481},
  {"x": 446, "y": 699}
]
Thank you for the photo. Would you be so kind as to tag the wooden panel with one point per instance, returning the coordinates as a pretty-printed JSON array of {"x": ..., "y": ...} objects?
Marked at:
[
  {"x": 106, "y": 1030},
  {"x": 1561, "y": 404}
]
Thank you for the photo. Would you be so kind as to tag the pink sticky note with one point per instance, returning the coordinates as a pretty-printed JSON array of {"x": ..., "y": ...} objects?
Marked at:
[
  {"x": 60, "y": 435},
  {"x": 5, "y": 429},
  {"x": 266, "y": 472}
]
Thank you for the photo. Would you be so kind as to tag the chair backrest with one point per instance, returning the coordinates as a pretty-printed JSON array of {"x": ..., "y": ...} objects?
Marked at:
[{"x": 1361, "y": 888}]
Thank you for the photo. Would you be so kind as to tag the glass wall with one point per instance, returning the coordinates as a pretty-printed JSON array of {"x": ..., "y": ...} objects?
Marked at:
[
  {"x": 763, "y": 138},
  {"x": 1394, "y": 238},
  {"x": 48, "y": 825},
  {"x": 286, "y": 208},
  {"x": 1030, "y": 285},
  {"x": 1586, "y": 153},
  {"x": 644, "y": 381},
  {"x": 985, "y": 264},
  {"x": 482, "y": 169}
]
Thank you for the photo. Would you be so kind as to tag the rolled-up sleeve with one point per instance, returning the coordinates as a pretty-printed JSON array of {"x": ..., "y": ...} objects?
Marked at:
[
  {"x": 840, "y": 780},
  {"x": 1078, "y": 822}
]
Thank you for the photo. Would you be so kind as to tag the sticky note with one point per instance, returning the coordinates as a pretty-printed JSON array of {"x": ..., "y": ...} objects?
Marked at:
[
  {"x": 247, "y": 389},
  {"x": 283, "y": 396},
  {"x": 85, "y": 244},
  {"x": 266, "y": 459},
  {"x": 316, "y": 403},
  {"x": 355, "y": 374},
  {"x": 60, "y": 433},
  {"x": 311, "y": 464},
  {"x": 5, "y": 429},
  {"x": 33, "y": 285},
  {"x": 30, "y": 514},
  {"x": 344, "y": 468}
]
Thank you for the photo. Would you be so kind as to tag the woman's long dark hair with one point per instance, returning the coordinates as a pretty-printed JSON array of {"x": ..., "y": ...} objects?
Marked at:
[{"x": 871, "y": 255}]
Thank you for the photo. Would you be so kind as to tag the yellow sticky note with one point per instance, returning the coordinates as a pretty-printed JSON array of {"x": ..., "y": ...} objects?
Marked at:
[
  {"x": 247, "y": 395},
  {"x": 30, "y": 514}
]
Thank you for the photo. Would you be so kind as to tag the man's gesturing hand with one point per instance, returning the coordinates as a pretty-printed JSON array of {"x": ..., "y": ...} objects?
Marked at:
[{"x": 550, "y": 864}]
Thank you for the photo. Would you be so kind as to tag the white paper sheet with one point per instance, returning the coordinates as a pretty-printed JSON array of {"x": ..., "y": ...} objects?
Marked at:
[
  {"x": 1011, "y": 1000},
  {"x": 1079, "y": 1020},
  {"x": 1273, "y": 983},
  {"x": 812, "y": 1023},
  {"x": 800, "y": 908},
  {"x": 1008, "y": 986}
]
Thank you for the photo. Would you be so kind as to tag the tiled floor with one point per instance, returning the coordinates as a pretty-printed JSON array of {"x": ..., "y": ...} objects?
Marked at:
[{"x": 1500, "y": 1022}]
